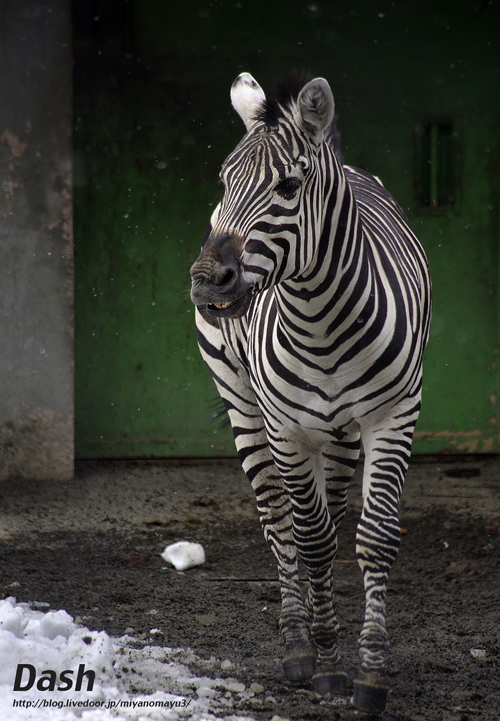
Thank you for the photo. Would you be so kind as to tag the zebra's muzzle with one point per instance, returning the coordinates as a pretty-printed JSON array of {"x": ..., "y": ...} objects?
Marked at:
[
  {"x": 219, "y": 288},
  {"x": 220, "y": 301}
]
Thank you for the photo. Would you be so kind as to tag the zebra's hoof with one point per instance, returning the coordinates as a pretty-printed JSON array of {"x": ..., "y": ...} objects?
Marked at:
[
  {"x": 298, "y": 663},
  {"x": 331, "y": 680},
  {"x": 370, "y": 692}
]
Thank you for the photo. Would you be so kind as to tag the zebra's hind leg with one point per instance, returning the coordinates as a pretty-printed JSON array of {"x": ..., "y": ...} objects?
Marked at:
[{"x": 387, "y": 453}]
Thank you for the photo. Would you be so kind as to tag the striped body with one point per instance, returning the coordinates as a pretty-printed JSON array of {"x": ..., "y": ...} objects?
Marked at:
[{"x": 313, "y": 310}]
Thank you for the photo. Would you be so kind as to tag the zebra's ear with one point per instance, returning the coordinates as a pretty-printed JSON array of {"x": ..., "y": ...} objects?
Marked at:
[
  {"x": 316, "y": 107},
  {"x": 247, "y": 98}
]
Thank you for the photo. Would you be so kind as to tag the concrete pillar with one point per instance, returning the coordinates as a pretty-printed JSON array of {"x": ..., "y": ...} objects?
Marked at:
[{"x": 36, "y": 244}]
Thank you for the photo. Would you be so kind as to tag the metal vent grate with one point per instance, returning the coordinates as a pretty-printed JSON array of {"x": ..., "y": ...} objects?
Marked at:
[{"x": 436, "y": 167}]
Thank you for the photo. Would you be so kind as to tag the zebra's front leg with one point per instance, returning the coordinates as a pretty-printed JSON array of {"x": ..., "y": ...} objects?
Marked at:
[
  {"x": 387, "y": 455},
  {"x": 340, "y": 460},
  {"x": 315, "y": 538},
  {"x": 233, "y": 383},
  {"x": 275, "y": 513}
]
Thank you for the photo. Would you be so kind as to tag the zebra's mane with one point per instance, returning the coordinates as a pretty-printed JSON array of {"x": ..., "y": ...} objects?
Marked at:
[
  {"x": 286, "y": 93},
  {"x": 332, "y": 137}
]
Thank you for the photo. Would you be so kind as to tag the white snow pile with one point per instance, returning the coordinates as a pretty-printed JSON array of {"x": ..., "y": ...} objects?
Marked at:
[
  {"x": 52, "y": 669},
  {"x": 184, "y": 554}
]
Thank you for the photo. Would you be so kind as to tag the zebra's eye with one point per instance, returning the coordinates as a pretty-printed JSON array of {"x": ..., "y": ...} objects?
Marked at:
[{"x": 288, "y": 187}]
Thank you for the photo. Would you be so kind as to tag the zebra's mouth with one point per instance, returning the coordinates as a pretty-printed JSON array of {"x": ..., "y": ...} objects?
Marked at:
[
  {"x": 232, "y": 308},
  {"x": 222, "y": 306}
]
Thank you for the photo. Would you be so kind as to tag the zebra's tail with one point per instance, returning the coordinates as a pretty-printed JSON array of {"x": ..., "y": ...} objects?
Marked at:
[{"x": 219, "y": 413}]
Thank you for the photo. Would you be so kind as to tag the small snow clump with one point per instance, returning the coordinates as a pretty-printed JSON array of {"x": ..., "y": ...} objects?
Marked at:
[{"x": 183, "y": 555}]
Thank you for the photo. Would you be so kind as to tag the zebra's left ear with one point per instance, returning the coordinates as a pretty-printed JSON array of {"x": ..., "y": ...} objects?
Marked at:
[
  {"x": 247, "y": 98},
  {"x": 316, "y": 108}
]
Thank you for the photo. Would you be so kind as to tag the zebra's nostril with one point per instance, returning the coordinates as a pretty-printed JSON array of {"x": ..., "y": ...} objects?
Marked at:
[{"x": 226, "y": 279}]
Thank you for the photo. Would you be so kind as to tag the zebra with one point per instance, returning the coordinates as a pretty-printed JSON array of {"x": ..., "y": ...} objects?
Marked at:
[{"x": 313, "y": 303}]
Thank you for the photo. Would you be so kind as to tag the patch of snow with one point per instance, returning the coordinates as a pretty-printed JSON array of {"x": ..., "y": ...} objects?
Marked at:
[
  {"x": 478, "y": 653},
  {"x": 129, "y": 682}
]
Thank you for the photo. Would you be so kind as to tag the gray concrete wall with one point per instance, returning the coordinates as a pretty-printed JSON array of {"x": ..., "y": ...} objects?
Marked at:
[{"x": 36, "y": 245}]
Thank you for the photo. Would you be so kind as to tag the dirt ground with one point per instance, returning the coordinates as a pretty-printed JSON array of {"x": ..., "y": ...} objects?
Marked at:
[{"x": 93, "y": 548}]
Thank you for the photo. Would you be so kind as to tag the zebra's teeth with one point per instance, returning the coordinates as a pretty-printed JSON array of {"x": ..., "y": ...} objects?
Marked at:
[{"x": 221, "y": 306}]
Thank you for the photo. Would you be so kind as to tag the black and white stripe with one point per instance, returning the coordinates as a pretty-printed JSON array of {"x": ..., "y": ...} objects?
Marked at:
[{"x": 313, "y": 309}]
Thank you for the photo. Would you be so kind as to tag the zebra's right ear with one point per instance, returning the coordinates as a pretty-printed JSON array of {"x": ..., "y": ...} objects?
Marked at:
[
  {"x": 316, "y": 108},
  {"x": 247, "y": 98}
]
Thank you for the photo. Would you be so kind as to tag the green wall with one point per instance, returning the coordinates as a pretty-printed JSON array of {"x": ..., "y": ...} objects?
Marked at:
[{"x": 153, "y": 123}]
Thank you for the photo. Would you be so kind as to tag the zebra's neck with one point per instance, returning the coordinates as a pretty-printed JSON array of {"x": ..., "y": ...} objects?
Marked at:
[{"x": 313, "y": 307}]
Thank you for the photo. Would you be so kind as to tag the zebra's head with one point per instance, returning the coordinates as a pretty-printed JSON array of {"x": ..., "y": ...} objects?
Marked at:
[{"x": 265, "y": 229}]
